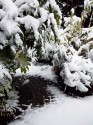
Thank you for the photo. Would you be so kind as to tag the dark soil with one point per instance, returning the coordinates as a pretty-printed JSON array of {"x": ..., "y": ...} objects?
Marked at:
[{"x": 32, "y": 90}]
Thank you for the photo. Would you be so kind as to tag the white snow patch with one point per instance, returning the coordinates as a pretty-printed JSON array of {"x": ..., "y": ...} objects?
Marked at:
[
  {"x": 10, "y": 8},
  {"x": 30, "y": 22},
  {"x": 9, "y": 26},
  {"x": 42, "y": 71},
  {"x": 91, "y": 55}
]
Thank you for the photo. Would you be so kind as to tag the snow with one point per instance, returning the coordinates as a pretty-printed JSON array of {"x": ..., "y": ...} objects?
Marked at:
[
  {"x": 74, "y": 72},
  {"x": 10, "y": 8},
  {"x": 33, "y": 3},
  {"x": 23, "y": 8},
  {"x": 43, "y": 14},
  {"x": 2, "y": 13},
  {"x": 56, "y": 8},
  {"x": 42, "y": 71},
  {"x": 91, "y": 55},
  {"x": 19, "y": 2},
  {"x": 3, "y": 40},
  {"x": 87, "y": 3},
  {"x": 9, "y": 26},
  {"x": 12, "y": 16},
  {"x": 18, "y": 41},
  {"x": 4, "y": 74},
  {"x": 53, "y": 21},
  {"x": 30, "y": 22},
  {"x": 63, "y": 110},
  {"x": 72, "y": 11},
  {"x": 48, "y": 50},
  {"x": 77, "y": 71}
]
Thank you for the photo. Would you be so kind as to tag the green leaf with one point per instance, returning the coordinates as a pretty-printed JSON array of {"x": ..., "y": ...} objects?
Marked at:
[
  {"x": 23, "y": 61},
  {"x": 57, "y": 17}
]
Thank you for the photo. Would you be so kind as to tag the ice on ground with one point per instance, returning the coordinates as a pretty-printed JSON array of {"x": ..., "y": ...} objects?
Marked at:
[{"x": 63, "y": 111}]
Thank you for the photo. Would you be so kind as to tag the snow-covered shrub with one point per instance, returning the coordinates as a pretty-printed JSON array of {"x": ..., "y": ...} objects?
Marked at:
[
  {"x": 45, "y": 50},
  {"x": 72, "y": 61},
  {"x": 24, "y": 24},
  {"x": 76, "y": 71},
  {"x": 48, "y": 31},
  {"x": 37, "y": 24}
]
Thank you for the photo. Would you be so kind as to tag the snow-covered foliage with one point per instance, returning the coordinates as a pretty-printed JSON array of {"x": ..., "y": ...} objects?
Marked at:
[
  {"x": 23, "y": 22},
  {"x": 5, "y": 80},
  {"x": 75, "y": 70},
  {"x": 75, "y": 53},
  {"x": 35, "y": 26}
]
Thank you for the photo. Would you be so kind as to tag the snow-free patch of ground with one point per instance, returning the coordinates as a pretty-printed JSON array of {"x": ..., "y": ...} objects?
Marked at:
[{"x": 63, "y": 110}]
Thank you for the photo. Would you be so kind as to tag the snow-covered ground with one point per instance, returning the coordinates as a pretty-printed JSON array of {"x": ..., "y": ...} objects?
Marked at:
[
  {"x": 44, "y": 71},
  {"x": 63, "y": 110}
]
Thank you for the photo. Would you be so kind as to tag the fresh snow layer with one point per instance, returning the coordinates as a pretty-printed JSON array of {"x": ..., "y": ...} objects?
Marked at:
[
  {"x": 62, "y": 111},
  {"x": 42, "y": 71}
]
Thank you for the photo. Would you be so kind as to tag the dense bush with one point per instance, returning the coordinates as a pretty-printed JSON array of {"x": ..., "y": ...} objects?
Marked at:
[{"x": 76, "y": 47}]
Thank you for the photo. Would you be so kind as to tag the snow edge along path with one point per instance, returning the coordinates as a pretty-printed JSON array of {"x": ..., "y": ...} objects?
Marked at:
[{"x": 63, "y": 111}]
